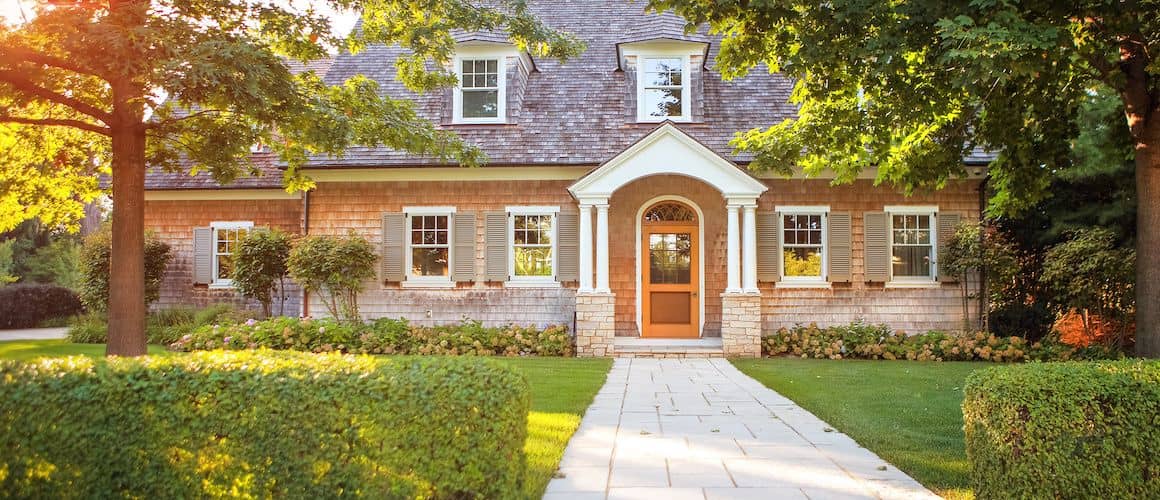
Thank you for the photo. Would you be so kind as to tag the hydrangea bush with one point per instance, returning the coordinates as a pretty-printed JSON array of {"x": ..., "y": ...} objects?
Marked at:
[
  {"x": 383, "y": 336},
  {"x": 860, "y": 340}
]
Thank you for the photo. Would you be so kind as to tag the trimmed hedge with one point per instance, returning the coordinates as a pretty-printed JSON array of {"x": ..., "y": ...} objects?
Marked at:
[
  {"x": 865, "y": 341},
  {"x": 383, "y": 336},
  {"x": 262, "y": 425},
  {"x": 1064, "y": 430},
  {"x": 26, "y": 306}
]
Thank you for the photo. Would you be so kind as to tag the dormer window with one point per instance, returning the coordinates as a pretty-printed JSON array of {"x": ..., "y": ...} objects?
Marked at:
[
  {"x": 481, "y": 93},
  {"x": 663, "y": 90}
]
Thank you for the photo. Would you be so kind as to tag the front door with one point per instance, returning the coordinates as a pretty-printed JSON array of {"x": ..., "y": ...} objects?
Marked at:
[{"x": 669, "y": 251}]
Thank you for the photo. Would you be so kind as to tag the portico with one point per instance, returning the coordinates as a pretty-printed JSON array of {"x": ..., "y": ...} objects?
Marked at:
[{"x": 668, "y": 288}]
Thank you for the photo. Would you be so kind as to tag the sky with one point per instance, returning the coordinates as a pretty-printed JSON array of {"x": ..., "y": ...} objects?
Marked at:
[{"x": 11, "y": 11}]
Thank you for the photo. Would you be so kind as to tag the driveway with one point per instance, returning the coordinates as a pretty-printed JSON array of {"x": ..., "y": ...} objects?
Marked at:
[
  {"x": 701, "y": 429},
  {"x": 34, "y": 334}
]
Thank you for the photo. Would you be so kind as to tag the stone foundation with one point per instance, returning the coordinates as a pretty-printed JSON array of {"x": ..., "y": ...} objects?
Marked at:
[
  {"x": 741, "y": 325},
  {"x": 594, "y": 324}
]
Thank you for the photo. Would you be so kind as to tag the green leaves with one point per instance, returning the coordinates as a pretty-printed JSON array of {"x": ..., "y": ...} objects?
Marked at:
[
  {"x": 336, "y": 269},
  {"x": 259, "y": 266}
]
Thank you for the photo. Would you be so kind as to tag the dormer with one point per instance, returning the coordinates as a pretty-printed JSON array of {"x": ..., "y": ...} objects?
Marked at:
[
  {"x": 665, "y": 78},
  {"x": 492, "y": 78}
]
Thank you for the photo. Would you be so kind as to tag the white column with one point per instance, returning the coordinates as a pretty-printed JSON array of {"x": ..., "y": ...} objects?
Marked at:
[
  {"x": 733, "y": 254},
  {"x": 602, "y": 249},
  {"x": 749, "y": 253},
  {"x": 585, "y": 248}
]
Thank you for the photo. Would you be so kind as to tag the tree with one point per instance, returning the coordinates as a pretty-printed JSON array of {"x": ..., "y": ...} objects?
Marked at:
[
  {"x": 260, "y": 267},
  {"x": 335, "y": 269},
  {"x": 910, "y": 87},
  {"x": 92, "y": 86},
  {"x": 979, "y": 248}
]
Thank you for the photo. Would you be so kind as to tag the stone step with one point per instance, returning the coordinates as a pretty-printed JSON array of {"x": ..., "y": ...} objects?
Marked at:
[{"x": 633, "y": 347}]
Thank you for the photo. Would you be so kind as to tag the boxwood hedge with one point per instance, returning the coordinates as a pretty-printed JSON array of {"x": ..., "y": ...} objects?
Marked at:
[
  {"x": 261, "y": 425},
  {"x": 1065, "y": 430}
]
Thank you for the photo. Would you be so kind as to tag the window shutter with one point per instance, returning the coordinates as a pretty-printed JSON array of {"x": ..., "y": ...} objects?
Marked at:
[
  {"x": 394, "y": 239},
  {"x": 947, "y": 223},
  {"x": 464, "y": 241},
  {"x": 202, "y": 255},
  {"x": 768, "y": 246},
  {"x": 567, "y": 247},
  {"x": 496, "y": 251},
  {"x": 839, "y": 252},
  {"x": 876, "y": 246}
]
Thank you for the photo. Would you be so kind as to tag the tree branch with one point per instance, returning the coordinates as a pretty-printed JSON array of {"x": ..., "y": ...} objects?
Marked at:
[
  {"x": 58, "y": 122},
  {"x": 13, "y": 55},
  {"x": 22, "y": 84}
]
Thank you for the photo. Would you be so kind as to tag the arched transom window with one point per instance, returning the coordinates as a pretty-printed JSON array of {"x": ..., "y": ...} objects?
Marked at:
[{"x": 669, "y": 211}]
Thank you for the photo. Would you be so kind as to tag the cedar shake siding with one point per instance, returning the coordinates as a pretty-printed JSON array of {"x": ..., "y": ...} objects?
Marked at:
[{"x": 174, "y": 222}]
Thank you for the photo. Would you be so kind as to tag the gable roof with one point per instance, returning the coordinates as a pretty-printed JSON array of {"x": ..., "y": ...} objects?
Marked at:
[{"x": 577, "y": 112}]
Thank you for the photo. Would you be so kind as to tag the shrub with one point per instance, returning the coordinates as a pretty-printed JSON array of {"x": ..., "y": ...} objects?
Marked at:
[
  {"x": 54, "y": 263},
  {"x": 1064, "y": 430},
  {"x": 260, "y": 267},
  {"x": 1091, "y": 274},
  {"x": 26, "y": 306},
  {"x": 335, "y": 269},
  {"x": 162, "y": 327},
  {"x": 94, "y": 264},
  {"x": 384, "y": 336},
  {"x": 6, "y": 263},
  {"x": 861, "y": 340},
  {"x": 262, "y": 424}
]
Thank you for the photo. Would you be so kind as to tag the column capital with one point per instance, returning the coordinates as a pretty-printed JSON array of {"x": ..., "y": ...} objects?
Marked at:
[
  {"x": 593, "y": 201},
  {"x": 740, "y": 201}
]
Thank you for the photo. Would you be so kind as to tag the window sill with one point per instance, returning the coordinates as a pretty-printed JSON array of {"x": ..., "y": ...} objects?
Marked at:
[
  {"x": 531, "y": 284},
  {"x": 427, "y": 284},
  {"x": 221, "y": 286},
  {"x": 913, "y": 284},
  {"x": 802, "y": 284}
]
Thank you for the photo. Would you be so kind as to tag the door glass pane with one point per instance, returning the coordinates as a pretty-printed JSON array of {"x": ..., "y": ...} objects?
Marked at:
[{"x": 670, "y": 258}]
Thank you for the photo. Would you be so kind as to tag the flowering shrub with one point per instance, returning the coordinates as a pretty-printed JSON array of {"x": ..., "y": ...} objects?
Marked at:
[
  {"x": 864, "y": 341},
  {"x": 384, "y": 336}
]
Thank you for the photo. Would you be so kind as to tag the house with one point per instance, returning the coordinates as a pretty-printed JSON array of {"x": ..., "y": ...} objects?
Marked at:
[{"x": 612, "y": 202}]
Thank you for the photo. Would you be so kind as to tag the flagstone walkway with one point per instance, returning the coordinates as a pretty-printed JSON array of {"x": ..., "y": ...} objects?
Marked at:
[{"x": 701, "y": 429}]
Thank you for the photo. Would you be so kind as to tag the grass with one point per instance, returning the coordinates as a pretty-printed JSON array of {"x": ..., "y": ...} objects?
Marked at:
[
  {"x": 562, "y": 388},
  {"x": 907, "y": 412}
]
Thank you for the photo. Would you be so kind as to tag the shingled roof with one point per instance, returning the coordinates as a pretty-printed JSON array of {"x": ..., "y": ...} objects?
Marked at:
[{"x": 574, "y": 113}]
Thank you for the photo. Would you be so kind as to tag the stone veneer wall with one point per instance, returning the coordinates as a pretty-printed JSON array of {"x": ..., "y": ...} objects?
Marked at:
[
  {"x": 909, "y": 309},
  {"x": 741, "y": 325},
  {"x": 173, "y": 222},
  {"x": 594, "y": 324},
  {"x": 337, "y": 208}
]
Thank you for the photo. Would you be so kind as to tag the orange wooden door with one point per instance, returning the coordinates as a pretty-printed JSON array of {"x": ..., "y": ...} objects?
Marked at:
[{"x": 670, "y": 301}]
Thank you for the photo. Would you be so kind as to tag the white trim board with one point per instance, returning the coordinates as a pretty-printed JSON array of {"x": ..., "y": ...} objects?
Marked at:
[
  {"x": 220, "y": 194},
  {"x": 411, "y": 174}
]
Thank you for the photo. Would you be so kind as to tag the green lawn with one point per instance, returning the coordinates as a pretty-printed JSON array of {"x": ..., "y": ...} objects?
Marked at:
[
  {"x": 561, "y": 389},
  {"x": 907, "y": 412}
]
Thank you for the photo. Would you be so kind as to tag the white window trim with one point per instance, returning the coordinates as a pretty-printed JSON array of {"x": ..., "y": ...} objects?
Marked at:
[
  {"x": 501, "y": 87},
  {"x": 414, "y": 281},
  {"x": 514, "y": 281},
  {"x": 914, "y": 281},
  {"x": 686, "y": 105},
  {"x": 214, "y": 227},
  {"x": 805, "y": 281}
]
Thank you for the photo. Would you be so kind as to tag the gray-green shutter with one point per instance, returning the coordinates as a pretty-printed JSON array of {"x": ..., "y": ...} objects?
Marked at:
[
  {"x": 496, "y": 249},
  {"x": 463, "y": 269},
  {"x": 840, "y": 267},
  {"x": 568, "y": 247},
  {"x": 394, "y": 239},
  {"x": 202, "y": 255},
  {"x": 768, "y": 246},
  {"x": 876, "y": 246},
  {"x": 947, "y": 223}
]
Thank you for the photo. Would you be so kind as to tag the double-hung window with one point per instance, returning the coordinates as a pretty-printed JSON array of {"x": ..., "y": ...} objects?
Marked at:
[
  {"x": 803, "y": 243},
  {"x": 226, "y": 237},
  {"x": 429, "y": 244},
  {"x": 533, "y": 243},
  {"x": 480, "y": 96},
  {"x": 663, "y": 91},
  {"x": 912, "y": 243}
]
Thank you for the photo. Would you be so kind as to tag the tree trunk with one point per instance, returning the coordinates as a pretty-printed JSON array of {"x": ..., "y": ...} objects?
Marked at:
[
  {"x": 1148, "y": 240},
  {"x": 127, "y": 260}
]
